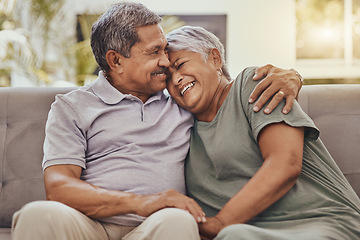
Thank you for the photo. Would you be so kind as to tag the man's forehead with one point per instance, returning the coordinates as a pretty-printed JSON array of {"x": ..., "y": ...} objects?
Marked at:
[
  {"x": 154, "y": 43},
  {"x": 150, "y": 31},
  {"x": 152, "y": 38}
]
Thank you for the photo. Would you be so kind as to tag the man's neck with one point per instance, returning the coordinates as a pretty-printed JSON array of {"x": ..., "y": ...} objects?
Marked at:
[{"x": 142, "y": 96}]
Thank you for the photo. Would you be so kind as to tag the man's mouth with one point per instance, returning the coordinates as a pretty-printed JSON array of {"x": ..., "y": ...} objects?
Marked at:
[
  {"x": 161, "y": 72},
  {"x": 186, "y": 87}
]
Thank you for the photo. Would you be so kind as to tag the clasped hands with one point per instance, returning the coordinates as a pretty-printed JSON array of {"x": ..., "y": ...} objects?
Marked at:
[{"x": 209, "y": 227}]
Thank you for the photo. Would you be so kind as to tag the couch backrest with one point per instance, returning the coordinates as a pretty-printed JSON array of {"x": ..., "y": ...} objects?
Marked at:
[
  {"x": 335, "y": 110},
  {"x": 23, "y": 113}
]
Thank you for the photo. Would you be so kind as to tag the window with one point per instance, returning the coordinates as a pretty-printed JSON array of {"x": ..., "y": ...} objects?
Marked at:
[
  {"x": 356, "y": 29},
  {"x": 320, "y": 28},
  {"x": 328, "y": 31}
]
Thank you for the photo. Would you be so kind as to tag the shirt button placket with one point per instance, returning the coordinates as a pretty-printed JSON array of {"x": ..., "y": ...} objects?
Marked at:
[{"x": 143, "y": 112}]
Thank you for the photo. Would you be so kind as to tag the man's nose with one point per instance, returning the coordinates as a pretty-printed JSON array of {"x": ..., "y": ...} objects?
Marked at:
[{"x": 164, "y": 60}]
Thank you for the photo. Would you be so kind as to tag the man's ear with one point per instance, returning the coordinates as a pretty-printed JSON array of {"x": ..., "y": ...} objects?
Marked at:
[{"x": 114, "y": 60}]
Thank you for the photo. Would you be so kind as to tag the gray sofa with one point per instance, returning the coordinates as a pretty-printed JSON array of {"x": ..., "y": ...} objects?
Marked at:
[{"x": 23, "y": 112}]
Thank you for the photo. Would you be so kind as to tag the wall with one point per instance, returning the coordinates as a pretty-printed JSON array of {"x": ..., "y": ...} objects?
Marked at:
[{"x": 258, "y": 31}]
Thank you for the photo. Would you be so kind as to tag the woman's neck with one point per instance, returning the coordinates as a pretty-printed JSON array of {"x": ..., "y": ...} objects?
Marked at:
[{"x": 217, "y": 101}]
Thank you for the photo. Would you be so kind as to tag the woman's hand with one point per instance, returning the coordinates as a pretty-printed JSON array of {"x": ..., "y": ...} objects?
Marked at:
[
  {"x": 210, "y": 228},
  {"x": 148, "y": 204}
]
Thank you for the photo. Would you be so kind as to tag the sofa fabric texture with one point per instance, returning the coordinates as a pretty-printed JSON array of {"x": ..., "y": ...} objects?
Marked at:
[
  {"x": 23, "y": 114},
  {"x": 335, "y": 110}
]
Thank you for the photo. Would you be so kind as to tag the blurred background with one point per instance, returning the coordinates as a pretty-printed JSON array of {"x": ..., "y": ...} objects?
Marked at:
[{"x": 46, "y": 42}]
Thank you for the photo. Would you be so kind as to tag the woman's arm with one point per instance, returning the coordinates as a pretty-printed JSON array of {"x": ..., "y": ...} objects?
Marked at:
[{"x": 282, "y": 150}]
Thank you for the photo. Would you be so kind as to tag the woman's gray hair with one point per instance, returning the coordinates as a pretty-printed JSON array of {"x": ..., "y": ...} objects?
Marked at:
[
  {"x": 116, "y": 30},
  {"x": 199, "y": 40}
]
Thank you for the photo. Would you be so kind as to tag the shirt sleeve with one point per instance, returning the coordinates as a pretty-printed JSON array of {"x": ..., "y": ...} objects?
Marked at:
[
  {"x": 258, "y": 120},
  {"x": 65, "y": 141}
]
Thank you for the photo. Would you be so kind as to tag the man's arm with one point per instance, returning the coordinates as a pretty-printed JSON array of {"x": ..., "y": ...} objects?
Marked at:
[
  {"x": 279, "y": 83},
  {"x": 63, "y": 184}
]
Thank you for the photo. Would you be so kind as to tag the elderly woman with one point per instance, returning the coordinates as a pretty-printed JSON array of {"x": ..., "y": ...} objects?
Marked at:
[{"x": 256, "y": 176}]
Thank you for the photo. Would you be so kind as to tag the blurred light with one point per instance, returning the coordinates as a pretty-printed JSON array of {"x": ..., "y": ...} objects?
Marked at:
[
  {"x": 300, "y": 43},
  {"x": 327, "y": 33},
  {"x": 357, "y": 29}
]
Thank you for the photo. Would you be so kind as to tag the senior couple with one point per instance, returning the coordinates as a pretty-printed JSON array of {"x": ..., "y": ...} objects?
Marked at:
[{"x": 115, "y": 150}]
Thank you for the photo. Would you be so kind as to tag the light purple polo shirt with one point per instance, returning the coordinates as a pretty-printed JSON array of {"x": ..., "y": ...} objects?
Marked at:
[{"x": 120, "y": 142}]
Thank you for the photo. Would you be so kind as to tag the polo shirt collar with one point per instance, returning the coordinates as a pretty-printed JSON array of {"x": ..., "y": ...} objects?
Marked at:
[{"x": 110, "y": 95}]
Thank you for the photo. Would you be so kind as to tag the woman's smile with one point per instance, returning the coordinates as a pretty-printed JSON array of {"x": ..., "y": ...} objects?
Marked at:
[
  {"x": 195, "y": 83},
  {"x": 184, "y": 89}
]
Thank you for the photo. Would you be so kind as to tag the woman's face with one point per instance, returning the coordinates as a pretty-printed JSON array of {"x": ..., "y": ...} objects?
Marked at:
[{"x": 193, "y": 82}]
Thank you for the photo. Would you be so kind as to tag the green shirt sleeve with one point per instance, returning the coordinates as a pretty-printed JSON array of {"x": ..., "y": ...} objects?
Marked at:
[{"x": 258, "y": 120}]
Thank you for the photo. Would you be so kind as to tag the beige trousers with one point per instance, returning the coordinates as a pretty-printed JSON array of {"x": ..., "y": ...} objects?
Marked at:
[{"x": 44, "y": 220}]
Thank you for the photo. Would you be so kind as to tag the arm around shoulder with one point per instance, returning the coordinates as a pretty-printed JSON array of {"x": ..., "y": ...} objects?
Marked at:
[{"x": 277, "y": 83}]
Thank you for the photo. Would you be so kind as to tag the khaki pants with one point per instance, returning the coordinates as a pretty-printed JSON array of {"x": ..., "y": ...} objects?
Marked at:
[{"x": 49, "y": 220}]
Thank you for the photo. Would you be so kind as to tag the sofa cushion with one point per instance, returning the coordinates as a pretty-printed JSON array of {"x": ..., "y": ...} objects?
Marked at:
[
  {"x": 335, "y": 110},
  {"x": 22, "y": 130},
  {"x": 5, "y": 233}
]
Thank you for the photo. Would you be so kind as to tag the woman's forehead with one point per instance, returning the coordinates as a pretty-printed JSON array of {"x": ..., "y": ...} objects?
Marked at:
[{"x": 174, "y": 55}]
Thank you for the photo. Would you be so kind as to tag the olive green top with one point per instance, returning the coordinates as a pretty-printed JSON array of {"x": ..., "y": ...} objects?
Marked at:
[{"x": 224, "y": 155}]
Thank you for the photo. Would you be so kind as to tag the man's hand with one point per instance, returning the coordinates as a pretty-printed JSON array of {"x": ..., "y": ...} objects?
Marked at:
[
  {"x": 151, "y": 203},
  {"x": 210, "y": 228},
  {"x": 63, "y": 184},
  {"x": 280, "y": 83}
]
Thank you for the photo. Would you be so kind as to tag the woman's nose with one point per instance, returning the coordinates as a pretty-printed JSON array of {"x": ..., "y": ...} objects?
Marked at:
[{"x": 176, "y": 78}]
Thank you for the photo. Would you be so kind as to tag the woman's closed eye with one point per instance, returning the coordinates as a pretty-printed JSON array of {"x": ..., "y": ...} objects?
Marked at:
[{"x": 178, "y": 66}]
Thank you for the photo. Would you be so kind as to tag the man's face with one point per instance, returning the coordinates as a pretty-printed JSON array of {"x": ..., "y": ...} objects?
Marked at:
[{"x": 144, "y": 73}]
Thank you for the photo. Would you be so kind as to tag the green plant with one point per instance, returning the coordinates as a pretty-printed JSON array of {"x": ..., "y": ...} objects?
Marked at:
[
  {"x": 85, "y": 61},
  {"x": 30, "y": 29}
]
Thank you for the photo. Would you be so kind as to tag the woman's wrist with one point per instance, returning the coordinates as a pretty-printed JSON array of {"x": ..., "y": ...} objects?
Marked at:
[{"x": 221, "y": 221}]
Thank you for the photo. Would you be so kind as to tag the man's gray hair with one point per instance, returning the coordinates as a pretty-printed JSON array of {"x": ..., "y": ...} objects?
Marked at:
[
  {"x": 116, "y": 30},
  {"x": 199, "y": 40}
]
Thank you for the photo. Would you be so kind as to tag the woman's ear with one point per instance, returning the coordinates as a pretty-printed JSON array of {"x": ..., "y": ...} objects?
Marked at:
[
  {"x": 215, "y": 56},
  {"x": 114, "y": 60}
]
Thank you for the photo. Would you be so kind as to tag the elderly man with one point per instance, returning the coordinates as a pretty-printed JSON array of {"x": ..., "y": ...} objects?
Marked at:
[{"x": 114, "y": 150}]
